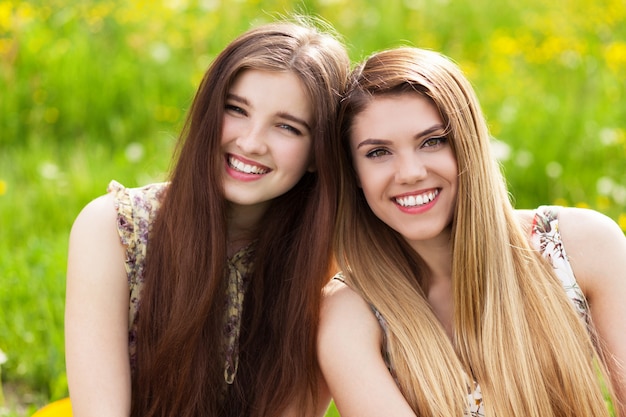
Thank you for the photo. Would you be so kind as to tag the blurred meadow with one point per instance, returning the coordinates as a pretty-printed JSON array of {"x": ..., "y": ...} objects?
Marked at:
[{"x": 97, "y": 90}]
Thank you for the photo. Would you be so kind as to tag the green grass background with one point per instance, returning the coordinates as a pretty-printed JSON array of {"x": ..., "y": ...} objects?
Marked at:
[{"x": 96, "y": 90}]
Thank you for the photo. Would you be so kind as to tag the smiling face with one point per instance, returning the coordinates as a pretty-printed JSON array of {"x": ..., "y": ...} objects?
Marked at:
[
  {"x": 266, "y": 138},
  {"x": 405, "y": 165}
]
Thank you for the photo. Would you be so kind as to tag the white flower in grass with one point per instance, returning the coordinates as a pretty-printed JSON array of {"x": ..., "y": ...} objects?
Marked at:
[
  {"x": 160, "y": 52},
  {"x": 619, "y": 194},
  {"x": 524, "y": 158},
  {"x": 3, "y": 357},
  {"x": 609, "y": 136},
  {"x": 554, "y": 169},
  {"x": 134, "y": 152},
  {"x": 605, "y": 185},
  {"x": 49, "y": 171},
  {"x": 209, "y": 5},
  {"x": 501, "y": 151}
]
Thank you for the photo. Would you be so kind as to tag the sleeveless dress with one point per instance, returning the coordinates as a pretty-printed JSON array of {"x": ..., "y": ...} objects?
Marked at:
[
  {"x": 137, "y": 209},
  {"x": 546, "y": 239}
]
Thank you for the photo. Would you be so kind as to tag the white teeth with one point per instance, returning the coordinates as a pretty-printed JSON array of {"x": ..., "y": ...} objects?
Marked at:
[
  {"x": 417, "y": 200},
  {"x": 248, "y": 169}
]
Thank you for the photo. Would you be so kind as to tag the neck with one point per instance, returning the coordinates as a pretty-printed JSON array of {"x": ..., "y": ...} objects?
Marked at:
[
  {"x": 437, "y": 255},
  {"x": 243, "y": 224}
]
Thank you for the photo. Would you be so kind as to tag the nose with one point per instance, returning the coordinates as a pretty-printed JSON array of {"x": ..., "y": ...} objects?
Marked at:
[
  {"x": 252, "y": 140},
  {"x": 409, "y": 169}
]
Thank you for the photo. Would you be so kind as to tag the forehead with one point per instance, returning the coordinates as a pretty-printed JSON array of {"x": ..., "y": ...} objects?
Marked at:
[
  {"x": 389, "y": 114},
  {"x": 281, "y": 91}
]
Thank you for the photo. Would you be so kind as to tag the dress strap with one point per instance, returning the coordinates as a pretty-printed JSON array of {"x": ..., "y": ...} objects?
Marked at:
[{"x": 339, "y": 277}]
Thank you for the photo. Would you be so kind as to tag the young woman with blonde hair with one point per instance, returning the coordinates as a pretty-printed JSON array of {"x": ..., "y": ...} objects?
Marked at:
[
  {"x": 450, "y": 301},
  {"x": 200, "y": 296}
]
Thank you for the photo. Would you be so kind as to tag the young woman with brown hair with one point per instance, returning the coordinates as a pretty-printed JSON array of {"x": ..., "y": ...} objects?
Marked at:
[
  {"x": 219, "y": 266},
  {"x": 451, "y": 302}
]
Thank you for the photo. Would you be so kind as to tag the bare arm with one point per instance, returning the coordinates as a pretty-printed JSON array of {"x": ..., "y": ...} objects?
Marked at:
[
  {"x": 597, "y": 250},
  {"x": 349, "y": 350},
  {"x": 96, "y": 315}
]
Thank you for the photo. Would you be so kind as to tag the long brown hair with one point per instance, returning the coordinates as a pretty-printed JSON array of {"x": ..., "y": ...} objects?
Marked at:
[
  {"x": 515, "y": 331},
  {"x": 180, "y": 367}
]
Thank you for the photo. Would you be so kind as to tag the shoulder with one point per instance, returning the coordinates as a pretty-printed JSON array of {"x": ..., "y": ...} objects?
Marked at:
[
  {"x": 596, "y": 248},
  {"x": 340, "y": 302},
  {"x": 584, "y": 226},
  {"x": 94, "y": 235},
  {"x": 112, "y": 221},
  {"x": 594, "y": 241},
  {"x": 346, "y": 315},
  {"x": 96, "y": 256},
  {"x": 337, "y": 298},
  {"x": 97, "y": 216},
  {"x": 119, "y": 206}
]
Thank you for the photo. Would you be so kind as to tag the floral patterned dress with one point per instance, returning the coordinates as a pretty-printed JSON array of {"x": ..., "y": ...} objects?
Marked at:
[
  {"x": 545, "y": 238},
  {"x": 136, "y": 211}
]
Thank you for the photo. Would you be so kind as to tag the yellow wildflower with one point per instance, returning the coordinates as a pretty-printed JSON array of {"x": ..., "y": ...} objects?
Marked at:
[
  {"x": 603, "y": 202},
  {"x": 615, "y": 55},
  {"x": 60, "y": 408},
  {"x": 6, "y": 10},
  {"x": 560, "y": 202}
]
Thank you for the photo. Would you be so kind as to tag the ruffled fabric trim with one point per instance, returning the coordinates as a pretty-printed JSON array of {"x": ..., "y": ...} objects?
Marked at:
[
  {"x": 136, "y": 210},
  {"x": 546, "y": 238}
]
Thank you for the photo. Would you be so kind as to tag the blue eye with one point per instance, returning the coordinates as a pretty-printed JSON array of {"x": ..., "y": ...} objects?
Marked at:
[{"x": 291, "y": 129}]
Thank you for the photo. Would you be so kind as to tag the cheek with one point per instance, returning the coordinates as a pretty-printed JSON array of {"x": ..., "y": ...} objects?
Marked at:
[
  {"x": 227, "y": 130},
  {"x": 454, "y": 175},
  {"x": 372, "y": 178},
  {"x": 298, "y": 157},
  {"x": 370, "y": 185}
]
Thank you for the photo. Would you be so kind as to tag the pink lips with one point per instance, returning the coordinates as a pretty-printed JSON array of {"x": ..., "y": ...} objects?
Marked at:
[
  {"x": 239, "y": 174},
  {"x": 416, "y": 203}
]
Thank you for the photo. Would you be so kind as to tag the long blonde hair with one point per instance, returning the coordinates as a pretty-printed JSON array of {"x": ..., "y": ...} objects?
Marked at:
[{"x": 515, "y": 331}]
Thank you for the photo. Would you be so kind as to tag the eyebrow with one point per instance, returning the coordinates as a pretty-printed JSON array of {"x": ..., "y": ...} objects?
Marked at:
[
  {"x": 281, "y": 114},
  {"x": 427, "y": 132},
  {"x": 295, "y": 119}
]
